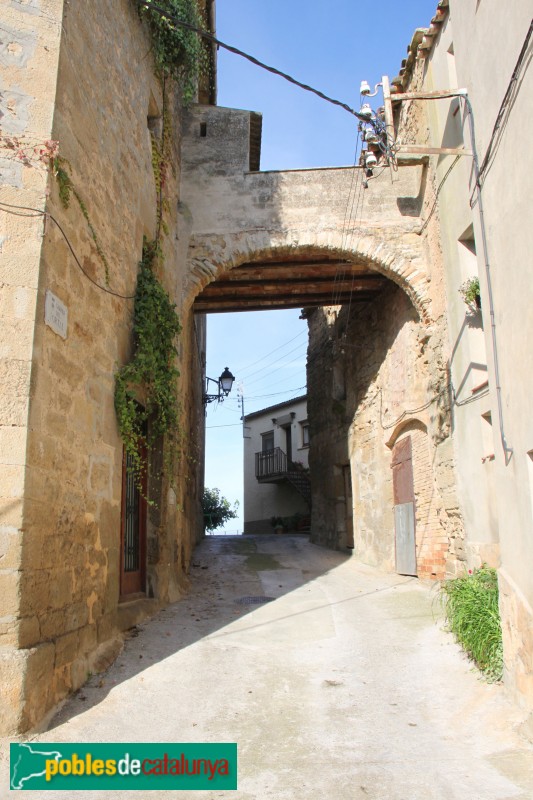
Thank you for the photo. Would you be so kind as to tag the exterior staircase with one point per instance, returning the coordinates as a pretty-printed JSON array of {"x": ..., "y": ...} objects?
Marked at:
[{"x": 302, "y": 484}]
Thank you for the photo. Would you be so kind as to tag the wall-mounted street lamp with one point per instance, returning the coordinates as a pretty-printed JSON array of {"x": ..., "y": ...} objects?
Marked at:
[{"x": 223, "y": 384}]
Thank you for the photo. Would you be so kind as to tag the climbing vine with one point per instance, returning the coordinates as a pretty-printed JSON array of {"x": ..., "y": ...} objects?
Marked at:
[
  {"x": 161, "y": 163},
  {"x": 152, "y": 373},
  {"x": 27, "y": 151},
  {"x": 179, "y": 53},
  {"x": 66, "y": 190}
]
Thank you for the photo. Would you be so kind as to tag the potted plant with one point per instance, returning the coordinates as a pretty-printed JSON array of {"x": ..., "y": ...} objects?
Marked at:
[
  {"x": 469, "y": 291},
  {"x": 277, "y": 524}
]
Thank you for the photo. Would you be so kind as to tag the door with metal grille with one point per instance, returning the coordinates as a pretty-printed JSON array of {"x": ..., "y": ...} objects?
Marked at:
[
  {"x": 404, "y": 507},
  {"x": 133, "y": 539}
]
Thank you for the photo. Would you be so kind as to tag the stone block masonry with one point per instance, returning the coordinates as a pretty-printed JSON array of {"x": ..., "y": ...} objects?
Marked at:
[{"x": 87, "y": 81}]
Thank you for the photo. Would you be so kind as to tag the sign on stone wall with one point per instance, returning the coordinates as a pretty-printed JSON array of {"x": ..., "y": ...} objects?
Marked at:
[{"x": 56, "y": 314}]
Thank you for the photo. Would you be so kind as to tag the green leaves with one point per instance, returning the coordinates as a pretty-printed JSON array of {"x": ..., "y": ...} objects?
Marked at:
[
  {"x": 470, "y": 292},
  {"x": 178, "y": 52},
  {"x": 217, "y": 510},
  {"x": 472, "y": 613},
  {"x": 152, "y": 374},
  {"x": 66, "y": 189}
]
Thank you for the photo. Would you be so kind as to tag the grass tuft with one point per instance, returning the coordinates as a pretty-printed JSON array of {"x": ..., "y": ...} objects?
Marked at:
[{"x": 471, "y": 607}]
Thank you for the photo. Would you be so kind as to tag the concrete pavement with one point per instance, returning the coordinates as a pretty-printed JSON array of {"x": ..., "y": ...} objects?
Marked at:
[{"x": 344, "y": 687}]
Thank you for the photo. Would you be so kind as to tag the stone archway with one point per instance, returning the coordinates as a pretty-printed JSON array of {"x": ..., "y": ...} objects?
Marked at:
[
  {"x": 239, "y": 222},
  {"x": 213, "y": 259}
]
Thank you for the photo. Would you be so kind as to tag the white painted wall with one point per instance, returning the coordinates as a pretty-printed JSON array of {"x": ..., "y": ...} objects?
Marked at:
[
  {"x": 472, "y": 431},
  {"x": 265, "y": 500},
  {"x": 496, "y": 496}
]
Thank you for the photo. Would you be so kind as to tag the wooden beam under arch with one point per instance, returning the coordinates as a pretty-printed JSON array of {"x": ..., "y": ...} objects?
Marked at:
[{"x": 282, "y": 284}]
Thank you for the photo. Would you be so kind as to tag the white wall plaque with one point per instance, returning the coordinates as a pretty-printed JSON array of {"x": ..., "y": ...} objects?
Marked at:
[{"x": 56, "y": 314}]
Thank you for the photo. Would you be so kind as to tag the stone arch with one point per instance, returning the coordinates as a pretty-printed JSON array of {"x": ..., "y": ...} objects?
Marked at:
[
  {"x": 406, "y": 425},
  {"x": 403, "y": 263}
]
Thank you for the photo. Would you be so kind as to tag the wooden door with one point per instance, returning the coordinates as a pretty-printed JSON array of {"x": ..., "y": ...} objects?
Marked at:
[
  {"x": 404, "y": 507},
  {"x": 348, "y": 496},
  {"x": 133, "y": 535},
  {"x": 288, "y": 444}
]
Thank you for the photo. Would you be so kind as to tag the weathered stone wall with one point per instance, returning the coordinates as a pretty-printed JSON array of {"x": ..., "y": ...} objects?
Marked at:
[
  {"x": 65, "y": 616},
  {"x": 29, "y": 62},
  {"x": 238, "y": 215},
  {"x": 368, "y": 378},
  {"x": 241, "y": 216}
]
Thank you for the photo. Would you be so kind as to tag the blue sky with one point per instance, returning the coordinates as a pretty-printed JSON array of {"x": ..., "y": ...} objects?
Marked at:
[{"x": 331, "y": 46}]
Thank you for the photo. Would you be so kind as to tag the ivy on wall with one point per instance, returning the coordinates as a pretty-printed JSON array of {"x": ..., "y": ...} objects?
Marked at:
[
  {"x": 66, "y": 190},
  {"x": 179, "y": 53},
  {"x": 161, "y": 165},
  {"x": 152, "y": 374}
]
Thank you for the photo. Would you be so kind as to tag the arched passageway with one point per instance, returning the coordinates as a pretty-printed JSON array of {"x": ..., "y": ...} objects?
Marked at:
[{"x": 373, "y": 298}]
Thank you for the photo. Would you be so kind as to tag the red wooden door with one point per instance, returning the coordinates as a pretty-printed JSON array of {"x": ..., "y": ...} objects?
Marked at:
[{"x": 404, "y": 507}]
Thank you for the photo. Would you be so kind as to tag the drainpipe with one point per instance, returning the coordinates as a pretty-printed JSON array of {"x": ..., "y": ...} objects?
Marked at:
[
  {"x": 507, "y": 451},
  {"x": 462, "y": 93}
]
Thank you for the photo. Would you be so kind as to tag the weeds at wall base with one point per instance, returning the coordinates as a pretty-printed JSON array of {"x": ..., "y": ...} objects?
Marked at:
[{"x": 470, "y": 604}]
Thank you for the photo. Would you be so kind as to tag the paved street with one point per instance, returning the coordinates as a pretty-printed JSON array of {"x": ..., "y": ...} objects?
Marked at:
[{"x": 344, "y": 687}]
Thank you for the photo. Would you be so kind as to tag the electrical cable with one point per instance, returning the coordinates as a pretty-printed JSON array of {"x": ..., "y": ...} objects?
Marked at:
[
  {"x": 358, "y": 228},
  {"x": 272, "y": 363},
  {"x": 340, "y": 274},
  {"x": 435, "y": 201},
  {"x": 408, "y": 411},
  {"x": 263, "y": 378},
  {"x": 499, "y": 125},
  {"x": 507, "y": 451},
  {"x": 211, "y": 38},
  {"x": 46, "y": 215},
  {"x": 231, "y": 425},
  {"x": 244, "y": 369},
  {"x": 354, "y": 172},
  {"x": 275, "y": 394}
]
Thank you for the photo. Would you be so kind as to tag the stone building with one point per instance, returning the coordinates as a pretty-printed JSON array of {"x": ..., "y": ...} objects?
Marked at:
[
  {"x": 484, "y": 212},
  {"x": 400, "y": 420},
  {"x": 276, "y": 484},
  {"x": 82, "y": 556},
  {"x": 431, "y": 410}
]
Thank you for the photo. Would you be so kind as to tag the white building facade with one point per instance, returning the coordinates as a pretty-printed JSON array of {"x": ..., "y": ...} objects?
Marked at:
[
  {"x": 485, "y": 221},
  {"x": 276, "y": 482}
]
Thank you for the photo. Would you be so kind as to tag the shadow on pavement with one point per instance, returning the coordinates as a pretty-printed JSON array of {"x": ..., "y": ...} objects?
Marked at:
[{"x": 231, "y": 577}]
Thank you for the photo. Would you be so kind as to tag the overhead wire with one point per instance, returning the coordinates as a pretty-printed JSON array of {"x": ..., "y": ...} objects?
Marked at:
[
  {"x": 348, "y": 224},
  {"x": 340, "y": 273},
  {"x": 230, "y": 425},
  {"x": 275, "y": 394},
  {"x": 258, "y": 361},
  {"x": 358, "y": 229},
  {"x": 263, "y": 378},
  {"x": 271, "y": 364},
  {"x": 506, "y": 104},
  {"x": 47, "y": 215},
  {"x": 230, "y": 48},
  {"x": 437, "y": 193}
]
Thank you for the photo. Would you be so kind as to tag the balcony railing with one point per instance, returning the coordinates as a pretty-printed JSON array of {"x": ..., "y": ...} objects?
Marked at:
[
  {"x": 271, "y": 463},
  {"x": 273, "y": 466}
]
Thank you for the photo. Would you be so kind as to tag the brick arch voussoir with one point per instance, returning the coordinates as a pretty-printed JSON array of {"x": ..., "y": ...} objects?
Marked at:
[{"x": 213, "y": 256}]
